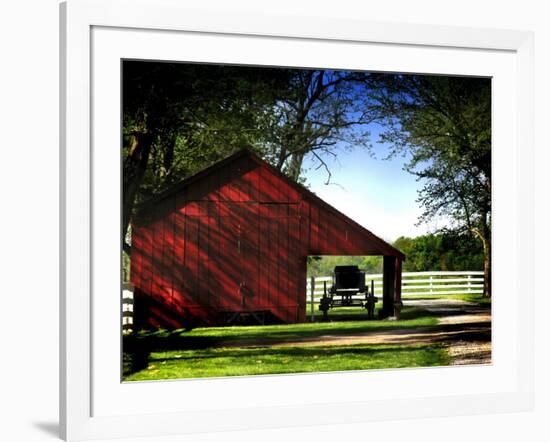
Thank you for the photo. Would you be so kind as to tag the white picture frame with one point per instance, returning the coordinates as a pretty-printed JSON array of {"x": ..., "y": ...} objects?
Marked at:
[{"x": 89, "y": 407}]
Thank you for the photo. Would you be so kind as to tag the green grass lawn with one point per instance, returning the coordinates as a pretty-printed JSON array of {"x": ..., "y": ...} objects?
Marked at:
[
  {"x": 225, "y": 361},
  {"x": 252, "y": 350}
]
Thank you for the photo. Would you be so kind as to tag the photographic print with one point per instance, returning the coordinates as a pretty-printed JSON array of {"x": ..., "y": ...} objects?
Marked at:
[{"x": 284, "y": 220}]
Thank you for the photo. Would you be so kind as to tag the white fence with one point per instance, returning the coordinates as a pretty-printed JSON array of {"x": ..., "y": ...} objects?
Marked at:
[
  {"x": 413, "y": 284},
  {"x": 127, "y": 307}
]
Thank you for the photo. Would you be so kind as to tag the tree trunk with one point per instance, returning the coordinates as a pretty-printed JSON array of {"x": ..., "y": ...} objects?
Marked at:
[
  {"x": 295, "y": 166},
  {"x": 281, "y": 158},
  {"x": 134, "y": 167},
  {"x": 485, "y": 240},
  {"x": 487, "y": 273}
]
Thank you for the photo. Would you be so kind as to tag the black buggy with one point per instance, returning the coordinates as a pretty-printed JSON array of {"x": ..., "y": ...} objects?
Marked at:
[{"x": 349, "y": 282}]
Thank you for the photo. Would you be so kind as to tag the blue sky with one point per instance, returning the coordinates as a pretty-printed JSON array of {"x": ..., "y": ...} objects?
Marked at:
[{"x": 376, "y": 193}]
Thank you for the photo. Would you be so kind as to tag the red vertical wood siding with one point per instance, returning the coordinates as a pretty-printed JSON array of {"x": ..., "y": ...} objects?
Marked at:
[{"x": 235, "y": 239}]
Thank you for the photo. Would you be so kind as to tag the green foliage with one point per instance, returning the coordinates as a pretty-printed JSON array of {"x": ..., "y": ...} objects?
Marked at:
[
  {"x": 324, "y": 265},
  {"x": 441, "y": 252},
  {"x": 193, "y": 115},
  {"x": 443, "y": 124},
  {"x": 426, "y": 253},
  {"x": 319, "y": 113}
]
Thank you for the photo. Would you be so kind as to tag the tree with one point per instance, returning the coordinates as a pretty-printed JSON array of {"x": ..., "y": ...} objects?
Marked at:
[
  {"x": 443, "y": 251},
  {"x": 179, "y": 118},
  {"x": 318, "y": 114},
  {"x": 444, "y": 125}
]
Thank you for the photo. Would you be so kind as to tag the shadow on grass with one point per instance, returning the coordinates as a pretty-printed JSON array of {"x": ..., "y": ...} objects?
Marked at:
[
  {"x": 414, "y": 320},
  {"x": 307, "y": 352},
  {"x": 265, "y": 335}
]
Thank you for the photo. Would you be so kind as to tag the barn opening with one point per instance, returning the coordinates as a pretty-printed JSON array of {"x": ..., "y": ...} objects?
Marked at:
[{"x": 354, "y": 286}]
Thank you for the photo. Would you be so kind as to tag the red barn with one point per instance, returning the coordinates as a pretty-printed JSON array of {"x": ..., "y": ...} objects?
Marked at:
[{"x": 234, "y": 239}]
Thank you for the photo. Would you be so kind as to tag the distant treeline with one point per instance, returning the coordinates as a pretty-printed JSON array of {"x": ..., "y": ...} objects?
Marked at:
[{"x": 431, "y": 252}]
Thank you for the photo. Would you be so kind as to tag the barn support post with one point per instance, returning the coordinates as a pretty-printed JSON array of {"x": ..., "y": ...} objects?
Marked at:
[
  {"x": 388, "y": 287},
  {"x": 398, "y": 304}
]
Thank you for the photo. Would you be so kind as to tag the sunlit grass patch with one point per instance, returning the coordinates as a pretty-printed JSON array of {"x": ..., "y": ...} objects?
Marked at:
[{"x": 227, "y": 361}]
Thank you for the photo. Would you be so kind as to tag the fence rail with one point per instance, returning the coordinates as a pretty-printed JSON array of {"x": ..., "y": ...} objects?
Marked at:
[{"x": 413, "y": 284}]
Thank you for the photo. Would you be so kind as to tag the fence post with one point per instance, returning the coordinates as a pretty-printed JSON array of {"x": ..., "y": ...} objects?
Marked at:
[
  {"x": 469, "y": 283},
  {"x": 431, "y": 285},
  {"x": 312, "y": 297}
]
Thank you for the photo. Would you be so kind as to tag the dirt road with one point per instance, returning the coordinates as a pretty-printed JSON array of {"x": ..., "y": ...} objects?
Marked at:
[{"x": 464, "y": 326}]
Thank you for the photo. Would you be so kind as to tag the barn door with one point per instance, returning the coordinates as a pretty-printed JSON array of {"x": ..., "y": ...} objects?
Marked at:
[{"x": 238, "y": 259}]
